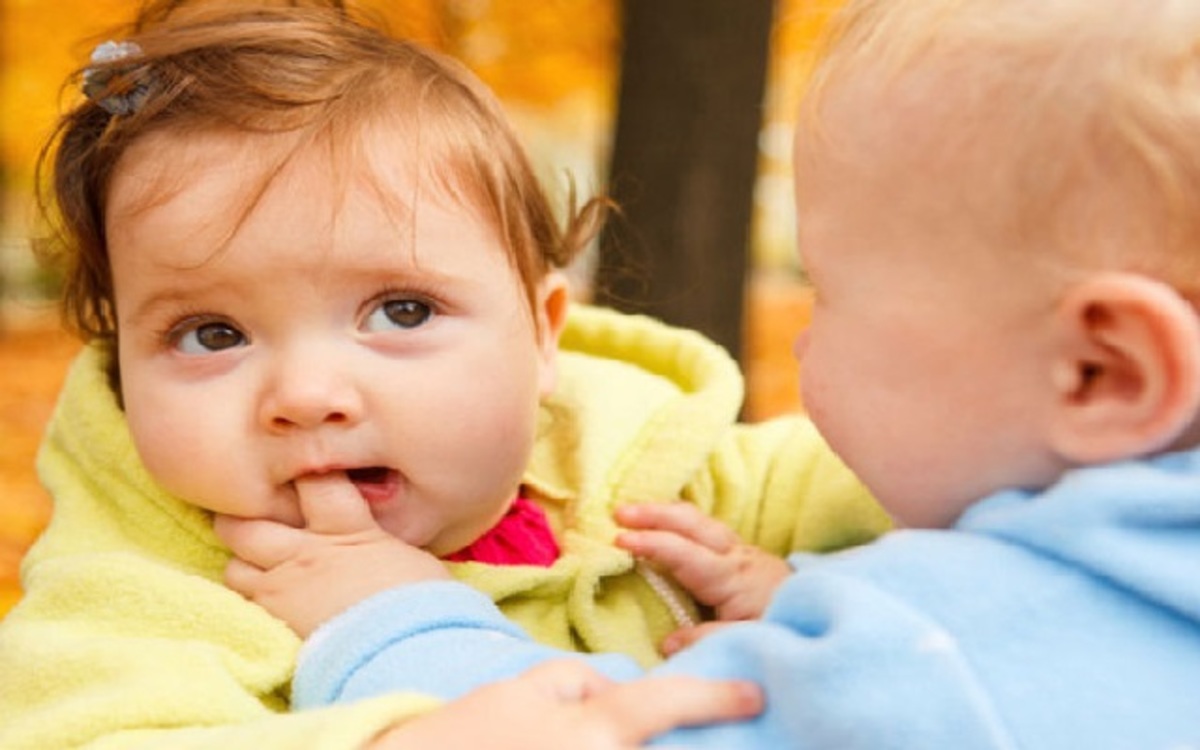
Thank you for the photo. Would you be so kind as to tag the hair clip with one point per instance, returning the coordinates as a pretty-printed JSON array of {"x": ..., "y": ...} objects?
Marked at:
[{"x": 123, "y": 97}]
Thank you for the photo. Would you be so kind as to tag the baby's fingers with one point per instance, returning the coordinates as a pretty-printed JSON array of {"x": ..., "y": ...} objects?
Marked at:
[
  {"x": 244, "y": 578},
  {"x": 703, "y": 572},
  {"x": 331, "y": 504},
  {"x": 650, "y": 706},
  {"x": 668, "y": 550},
  {"x": 631, "y": 713},
  {"x": 263, "y": 544},
  {"x": 680, "y": 518}
]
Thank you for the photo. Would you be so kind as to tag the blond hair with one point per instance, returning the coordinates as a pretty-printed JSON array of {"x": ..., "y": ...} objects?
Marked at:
[
  {"x": 1103, "y": 91},
  {"x": 312, "y": 70}
]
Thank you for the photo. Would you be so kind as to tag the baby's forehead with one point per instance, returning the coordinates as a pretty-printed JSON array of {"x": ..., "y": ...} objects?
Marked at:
[
  {"x": 234, "y": 173},
  {"x": 909, "y": 130},
  {"x": 1034, "y": 187},
  {"x": 214, "y": 195}
]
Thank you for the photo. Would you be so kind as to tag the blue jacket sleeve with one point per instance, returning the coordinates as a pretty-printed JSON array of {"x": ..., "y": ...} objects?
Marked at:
[
  {"x": 442, "y": 639},
  {"x": 843, "y": 664}
]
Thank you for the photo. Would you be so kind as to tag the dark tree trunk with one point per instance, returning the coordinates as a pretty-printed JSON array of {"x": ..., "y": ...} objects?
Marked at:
[{"x": 684, "y": 162}]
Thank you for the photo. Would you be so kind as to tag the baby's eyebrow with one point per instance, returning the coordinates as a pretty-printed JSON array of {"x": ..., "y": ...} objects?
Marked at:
[{"x": 169, "y": 297}]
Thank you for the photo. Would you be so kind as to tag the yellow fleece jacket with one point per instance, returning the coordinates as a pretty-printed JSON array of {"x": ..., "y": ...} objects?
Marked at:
[{"x": 126, "y": 638}]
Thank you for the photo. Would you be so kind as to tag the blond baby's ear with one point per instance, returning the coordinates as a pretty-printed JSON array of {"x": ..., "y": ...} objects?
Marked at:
[
  {"x": 553, "y": 303},
  {"x": 1127, "y": 376}
]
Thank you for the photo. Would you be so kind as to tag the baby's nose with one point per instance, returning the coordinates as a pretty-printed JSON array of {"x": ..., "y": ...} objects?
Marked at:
[{"x": 310, "y": 396}]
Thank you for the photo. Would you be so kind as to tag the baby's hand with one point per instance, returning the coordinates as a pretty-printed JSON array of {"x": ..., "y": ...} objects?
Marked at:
[
  {"x": 566, "y": 704},
  {"x": 705, "y": 556},
  {"x": 306, "y": 576}
]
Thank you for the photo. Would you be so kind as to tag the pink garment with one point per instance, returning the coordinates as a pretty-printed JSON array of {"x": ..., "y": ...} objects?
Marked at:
[{"x": 522, "y": 537}]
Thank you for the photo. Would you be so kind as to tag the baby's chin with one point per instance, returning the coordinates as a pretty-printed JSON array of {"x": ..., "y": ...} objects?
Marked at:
[
  {"x": 409, "y": 519},
  {"x": 438, "y": 542}
]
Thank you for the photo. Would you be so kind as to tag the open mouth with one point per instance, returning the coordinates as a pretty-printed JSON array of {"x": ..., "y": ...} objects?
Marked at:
[{"x": 376, "y": 484}]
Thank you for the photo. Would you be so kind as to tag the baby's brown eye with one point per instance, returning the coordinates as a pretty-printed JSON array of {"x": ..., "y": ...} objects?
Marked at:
[
  {"x": 399, "y": 313},
  {"x": 210, "y": 337},
  {"x": 407, "y": 313}
]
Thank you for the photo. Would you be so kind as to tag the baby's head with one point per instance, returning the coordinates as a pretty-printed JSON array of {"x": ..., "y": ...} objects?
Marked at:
[
  {"x": 303, "y": 79},
  {"x": 999, "y": 207},
  {"x": 314, "y": 248}
]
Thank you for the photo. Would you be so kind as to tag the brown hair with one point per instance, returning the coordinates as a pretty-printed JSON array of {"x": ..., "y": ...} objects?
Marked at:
[{"x": 312, "y": 69}]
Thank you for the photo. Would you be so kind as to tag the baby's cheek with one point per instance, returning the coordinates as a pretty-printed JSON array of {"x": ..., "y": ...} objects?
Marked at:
[
  {"x": 152, "y": 440},
  {"x": 186, "y": 459}
]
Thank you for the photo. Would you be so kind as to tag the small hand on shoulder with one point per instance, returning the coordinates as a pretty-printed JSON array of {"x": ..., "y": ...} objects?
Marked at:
[{"x": 707, "y": 558}]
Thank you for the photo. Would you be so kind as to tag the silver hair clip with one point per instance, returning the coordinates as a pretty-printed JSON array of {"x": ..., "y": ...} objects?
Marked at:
[{"x": 108, "y": 86}]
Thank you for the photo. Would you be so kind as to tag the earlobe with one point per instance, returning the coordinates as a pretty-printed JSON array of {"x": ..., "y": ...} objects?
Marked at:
[
  {"x": 1127, "y": 377},
  {"x": 553, "y": 302}
]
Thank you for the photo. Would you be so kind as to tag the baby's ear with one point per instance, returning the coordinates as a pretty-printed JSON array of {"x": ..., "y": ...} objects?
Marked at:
[
  {"x": 553, "y": 303},
  {"x": 1127, "y": 376}
]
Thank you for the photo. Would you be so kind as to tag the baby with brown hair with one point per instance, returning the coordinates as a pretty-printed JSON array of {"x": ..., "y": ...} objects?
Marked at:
[{"x": 315, "y": 266}]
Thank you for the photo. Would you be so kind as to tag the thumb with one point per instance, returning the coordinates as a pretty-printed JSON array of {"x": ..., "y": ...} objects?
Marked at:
[{"x": 331, "y": 504}]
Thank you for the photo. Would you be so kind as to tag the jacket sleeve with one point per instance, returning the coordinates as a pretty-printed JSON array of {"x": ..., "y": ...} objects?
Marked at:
[
  {"x": 837, "y": 659},
  {"x": 108, "y": 651},
  {"x": 781, "y": 487},
  {"x": 437, "y": 638}
]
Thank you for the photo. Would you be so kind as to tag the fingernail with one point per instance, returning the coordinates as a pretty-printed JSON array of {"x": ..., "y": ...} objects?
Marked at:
[{"x": 749, "y": 696}]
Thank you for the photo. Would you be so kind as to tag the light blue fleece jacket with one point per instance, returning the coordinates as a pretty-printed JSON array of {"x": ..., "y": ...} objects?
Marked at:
[{"x": 1067, "y": 618}]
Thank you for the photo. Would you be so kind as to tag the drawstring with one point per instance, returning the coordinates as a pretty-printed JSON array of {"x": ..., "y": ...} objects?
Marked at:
[{"x": 669, "y": 594}]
